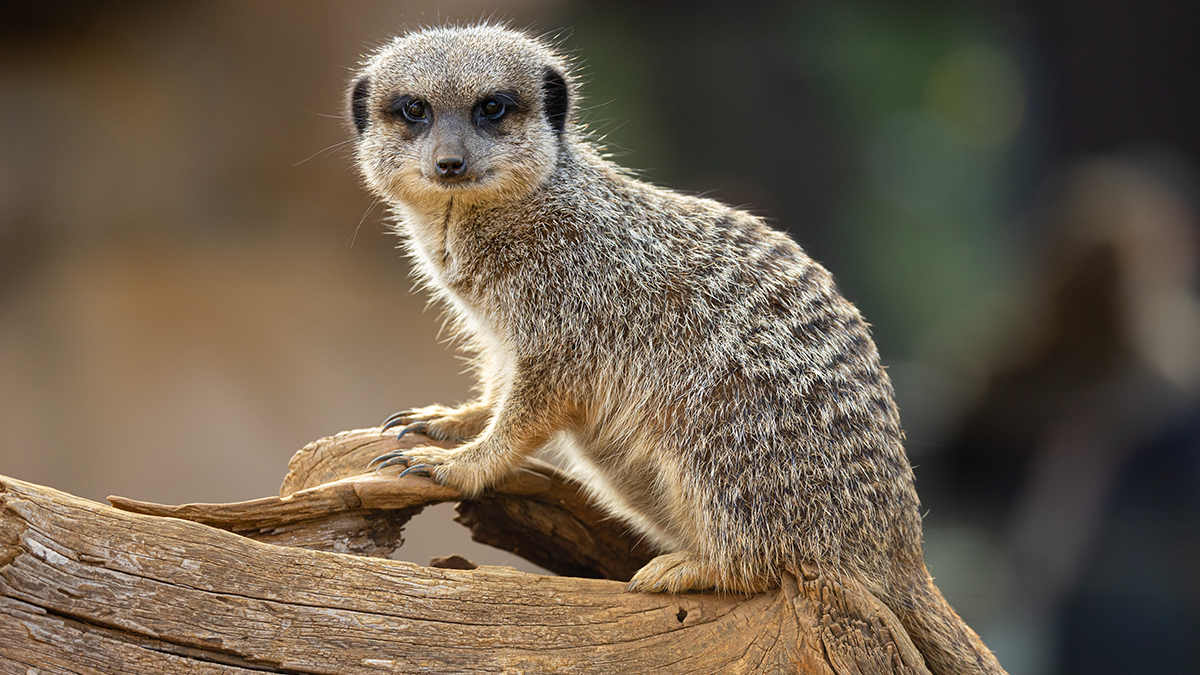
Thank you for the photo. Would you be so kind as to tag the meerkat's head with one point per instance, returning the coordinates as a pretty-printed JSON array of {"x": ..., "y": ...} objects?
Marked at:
[{"x": 474, "y": 114}]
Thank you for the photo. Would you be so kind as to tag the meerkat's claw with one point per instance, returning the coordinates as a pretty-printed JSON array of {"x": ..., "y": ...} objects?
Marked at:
[
  {"x": 389, "y": 459},
  {"x": 415, "y": 427},
  {"x": 418, "y": 470},
  {"x": 395, "y": 420}
]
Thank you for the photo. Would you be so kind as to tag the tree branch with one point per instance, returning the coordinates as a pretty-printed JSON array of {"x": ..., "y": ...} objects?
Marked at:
[{"x": 89, "y": 588}]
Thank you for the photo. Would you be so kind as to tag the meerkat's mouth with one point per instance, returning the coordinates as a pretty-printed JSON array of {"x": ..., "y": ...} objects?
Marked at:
[
  {"x": 459, "y": 184},
  {"x": 423, "y": 187}
]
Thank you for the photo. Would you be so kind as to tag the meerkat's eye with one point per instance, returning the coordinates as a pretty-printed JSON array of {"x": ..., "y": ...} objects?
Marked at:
[
  {"x": 494, "y": 107},
  {"x": 491, "y": 109},
  {"x": 413, "y": 110}
]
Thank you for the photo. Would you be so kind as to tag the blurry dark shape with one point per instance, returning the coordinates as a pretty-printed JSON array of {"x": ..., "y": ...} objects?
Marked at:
[
  {"x": 1119, "y": 72},
  {"x": 1136, "y": 608},
  {"x": 1084, "y": 450},
  {"x": 31, "y": 26},
  {"x": 32, "y": 21},
  {"x": 452, "y": 562}
]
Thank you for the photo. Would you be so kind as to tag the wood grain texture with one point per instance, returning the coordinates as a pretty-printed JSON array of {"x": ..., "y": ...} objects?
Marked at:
[{"x": 87, "y": 588}]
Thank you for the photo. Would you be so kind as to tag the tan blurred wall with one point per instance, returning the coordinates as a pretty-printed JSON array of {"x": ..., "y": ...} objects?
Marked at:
[{"x": 189, "y": 288}]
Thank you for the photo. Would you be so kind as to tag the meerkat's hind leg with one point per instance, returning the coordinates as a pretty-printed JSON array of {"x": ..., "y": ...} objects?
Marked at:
[
  {"x": 442, "y": 423},
  {"x": 684, "y": 571}
]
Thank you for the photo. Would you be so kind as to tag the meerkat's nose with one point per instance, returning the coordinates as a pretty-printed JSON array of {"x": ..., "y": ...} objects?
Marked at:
[{"x": 450, "y": 166}]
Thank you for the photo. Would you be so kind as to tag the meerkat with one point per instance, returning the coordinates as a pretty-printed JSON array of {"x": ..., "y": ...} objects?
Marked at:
[{"x": 698, "y": 372}]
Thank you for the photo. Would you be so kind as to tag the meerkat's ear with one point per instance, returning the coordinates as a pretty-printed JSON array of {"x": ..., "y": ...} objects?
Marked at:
[
  {"x": 358, "y": 104},
  {"x": 554, "y": 91}
]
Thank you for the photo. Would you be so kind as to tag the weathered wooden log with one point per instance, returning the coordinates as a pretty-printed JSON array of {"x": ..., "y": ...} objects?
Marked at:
[{"x": 87, "y": 588}]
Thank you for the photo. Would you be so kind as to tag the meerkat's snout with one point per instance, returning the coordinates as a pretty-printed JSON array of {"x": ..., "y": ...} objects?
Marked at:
[{"x": 449, "y": 155}]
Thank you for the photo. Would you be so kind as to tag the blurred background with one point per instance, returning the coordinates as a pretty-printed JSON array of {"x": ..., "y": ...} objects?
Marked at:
[{"x": 193, "y": 283}]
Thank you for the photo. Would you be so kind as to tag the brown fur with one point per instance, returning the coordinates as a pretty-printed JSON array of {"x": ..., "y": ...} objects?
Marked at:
[{"x": 697, "y": 371}]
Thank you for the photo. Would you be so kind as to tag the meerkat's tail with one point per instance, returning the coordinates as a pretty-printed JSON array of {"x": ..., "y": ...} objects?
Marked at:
[{"x": 948, "y": 644}]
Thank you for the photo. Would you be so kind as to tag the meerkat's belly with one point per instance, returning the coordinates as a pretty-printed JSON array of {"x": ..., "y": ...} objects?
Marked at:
[{"x": 630, "y": 483}]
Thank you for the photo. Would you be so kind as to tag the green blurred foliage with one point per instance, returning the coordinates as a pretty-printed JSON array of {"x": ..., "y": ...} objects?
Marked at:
[{"x": 931, "y": 100}]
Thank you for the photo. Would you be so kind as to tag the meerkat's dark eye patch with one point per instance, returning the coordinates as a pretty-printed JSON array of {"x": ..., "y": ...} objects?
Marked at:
[
  {"x": 358, "y": 105},
  {"x": 554, "y": 90},
  {"x": 409, "y": 108}
]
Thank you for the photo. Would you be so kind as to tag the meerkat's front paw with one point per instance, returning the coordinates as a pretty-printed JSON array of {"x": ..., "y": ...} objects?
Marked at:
[
  {"x": 458, "y": 468},
  {"x": 421, "y": 461},
  {"x": 441, "y": 423}
]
